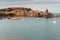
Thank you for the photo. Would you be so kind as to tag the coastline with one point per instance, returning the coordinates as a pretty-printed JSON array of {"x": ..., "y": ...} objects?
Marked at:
[
  {"x": 18, "y": 17},
  {"x": 22, "y": 12}
]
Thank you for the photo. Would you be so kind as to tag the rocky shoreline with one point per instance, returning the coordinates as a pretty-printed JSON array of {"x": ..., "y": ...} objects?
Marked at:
[{"x": 20, "y": 12}]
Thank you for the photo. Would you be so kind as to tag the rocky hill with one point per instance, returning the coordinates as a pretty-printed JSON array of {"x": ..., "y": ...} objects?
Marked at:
[{"x": 24, "y": 12}]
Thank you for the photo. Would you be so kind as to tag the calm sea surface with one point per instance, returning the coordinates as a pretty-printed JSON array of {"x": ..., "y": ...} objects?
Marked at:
[{"x": 30, "y": 29}]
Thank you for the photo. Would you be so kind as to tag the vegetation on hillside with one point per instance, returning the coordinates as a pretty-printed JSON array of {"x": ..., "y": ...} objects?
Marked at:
[{"x": 11, "y": 12}]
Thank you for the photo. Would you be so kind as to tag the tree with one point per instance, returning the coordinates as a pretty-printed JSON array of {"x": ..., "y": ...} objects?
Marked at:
[
  {"x": 39, "y": 15},
  {"x": 3, "y": 15},
  {"x": 28, "y": 9},
  {"x": 11, "y": 14},
  {"x": 49, "y": 15}
]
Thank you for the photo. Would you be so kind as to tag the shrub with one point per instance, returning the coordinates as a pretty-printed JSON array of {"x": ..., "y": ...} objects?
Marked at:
[{"x": 11, "y": 14}]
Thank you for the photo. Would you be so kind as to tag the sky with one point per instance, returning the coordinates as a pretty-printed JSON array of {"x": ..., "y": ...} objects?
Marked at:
[{"x": 52, "y": 5}]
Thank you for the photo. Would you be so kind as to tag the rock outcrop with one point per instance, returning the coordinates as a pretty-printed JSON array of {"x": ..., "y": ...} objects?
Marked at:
[{"x": 24, "y": 12}]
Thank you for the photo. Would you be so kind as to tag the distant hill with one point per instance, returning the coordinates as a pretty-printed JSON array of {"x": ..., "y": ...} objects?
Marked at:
[{"x": 56, "y": 14}]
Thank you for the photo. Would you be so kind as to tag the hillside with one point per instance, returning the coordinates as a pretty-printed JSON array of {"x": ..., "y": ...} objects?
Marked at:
[{"x": 24, "y": 12}]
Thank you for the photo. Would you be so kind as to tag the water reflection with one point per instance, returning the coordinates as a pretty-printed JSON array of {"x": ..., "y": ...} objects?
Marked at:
[{"x": 54, "y": 21}]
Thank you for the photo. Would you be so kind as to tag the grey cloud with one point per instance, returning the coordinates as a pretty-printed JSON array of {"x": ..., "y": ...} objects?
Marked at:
[
  {"x": 33, "y": 2},
  {"x": 29, "y": 0},
  {"x": 12, "y": 0},
  {"x": 20, "y": 2}
]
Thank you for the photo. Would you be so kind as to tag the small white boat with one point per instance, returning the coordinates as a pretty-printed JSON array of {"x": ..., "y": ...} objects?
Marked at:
[
  {"x": 38, "y": 18},
  {"x": 22, "y": 19}
]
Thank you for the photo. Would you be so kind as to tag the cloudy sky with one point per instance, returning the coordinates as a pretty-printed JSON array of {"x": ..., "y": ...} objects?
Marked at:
[{"x": 52, "y": 5}]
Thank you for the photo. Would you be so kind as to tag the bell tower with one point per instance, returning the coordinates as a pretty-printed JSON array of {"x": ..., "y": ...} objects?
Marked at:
[{"x": 46, "y": 10}]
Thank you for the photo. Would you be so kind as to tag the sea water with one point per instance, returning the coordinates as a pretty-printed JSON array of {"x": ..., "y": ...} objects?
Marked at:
[{"x": 30, "y": 29}]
